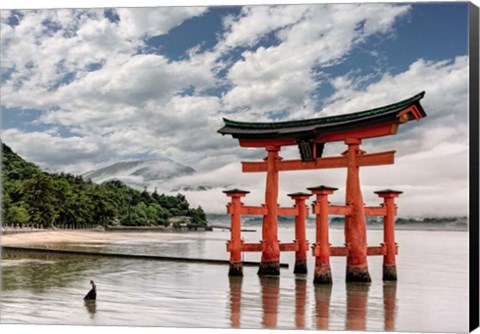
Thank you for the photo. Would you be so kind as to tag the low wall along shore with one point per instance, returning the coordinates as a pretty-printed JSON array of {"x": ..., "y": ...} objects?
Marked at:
[
  {"x": 45, "y": 241},
  {"x": 33, "y": 250}
]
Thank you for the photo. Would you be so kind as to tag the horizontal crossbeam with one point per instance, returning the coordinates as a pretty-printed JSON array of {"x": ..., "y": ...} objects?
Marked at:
[
  {"x": 375, "y": 211},
  {"x": 258, "y": 247},
  {"x": 372, "y": 159},
  {"x": 338, "y": 251},
  {"x": 252, "y": 247},
  {"x": 335, "y": 209},
  {"x": 289, "y": 247},
  {"x": 343, "y": 251},
  {"x": 293, "y": 247},
  {"x": 262, "y": 210},
  {"x": 287, "y": 211},
  {"x": 253, "y": 210},
  {"x": 248, "y": 210}
]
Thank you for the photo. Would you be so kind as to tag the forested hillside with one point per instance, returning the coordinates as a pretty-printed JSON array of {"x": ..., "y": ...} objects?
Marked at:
[{"x": 31, "y": 196}]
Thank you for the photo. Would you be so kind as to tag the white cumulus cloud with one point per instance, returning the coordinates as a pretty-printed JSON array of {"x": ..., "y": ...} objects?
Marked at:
[{"x": 104, "y": 97}]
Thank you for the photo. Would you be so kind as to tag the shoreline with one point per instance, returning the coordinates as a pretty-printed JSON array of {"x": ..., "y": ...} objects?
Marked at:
[
  {"x": 96, "y": 236},
  {"x": 42, "y": 237}
]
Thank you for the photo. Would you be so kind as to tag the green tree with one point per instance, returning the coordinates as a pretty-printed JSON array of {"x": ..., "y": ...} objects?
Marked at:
[
  {"x": 39, "y": 196},
  {"x": 145, "y": 197},
  {"x": 198, "y": 216},
  {"x": 182, "y": 203},
  {"x": 103, "y": 207},
  {"x": 17, "y": 214},
  {"x": 138, "y": 215}
]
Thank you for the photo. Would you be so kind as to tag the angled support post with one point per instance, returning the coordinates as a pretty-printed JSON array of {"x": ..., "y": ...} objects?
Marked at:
[
  {"x": 389, "y": 264},
  {"x": 355, "y": 224},
  {"x": 321, "y": 249},
  {"x": 300, "y": 232},
  {"x": 234, "y": 245},
  {"x": 270, "y": 263}
]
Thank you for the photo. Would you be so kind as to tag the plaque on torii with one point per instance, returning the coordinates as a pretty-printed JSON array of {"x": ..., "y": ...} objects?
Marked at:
[{"x": 310, "y": 136}]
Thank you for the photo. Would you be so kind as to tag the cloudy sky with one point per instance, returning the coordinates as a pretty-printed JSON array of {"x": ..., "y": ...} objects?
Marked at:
[{"x": 81, "y": 89}]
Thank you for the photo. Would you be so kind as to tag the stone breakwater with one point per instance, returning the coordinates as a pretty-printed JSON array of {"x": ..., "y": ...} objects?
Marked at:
[{"x": 38, "y": 250}]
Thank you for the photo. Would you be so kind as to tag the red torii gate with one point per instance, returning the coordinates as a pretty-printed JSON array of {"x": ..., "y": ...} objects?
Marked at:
[{"x": 310, "y": 136}]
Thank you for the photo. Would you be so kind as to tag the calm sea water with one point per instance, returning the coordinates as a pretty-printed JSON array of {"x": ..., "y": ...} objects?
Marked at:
[{"x": 430, "y": 295}]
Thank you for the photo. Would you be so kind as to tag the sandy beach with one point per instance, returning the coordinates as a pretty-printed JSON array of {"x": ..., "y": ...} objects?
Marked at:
[{"x": 79, "y": 236}]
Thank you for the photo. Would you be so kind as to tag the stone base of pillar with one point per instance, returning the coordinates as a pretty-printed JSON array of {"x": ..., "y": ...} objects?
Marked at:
[
  {"x": 236, "y": 269},
  {"x": 269, "y": 269},
  {"x": 358, "y": 274},
  {"x": 323, "y": 274},
  {"x": 300, "y": 267},
  {"x": 389, "y": 272}
]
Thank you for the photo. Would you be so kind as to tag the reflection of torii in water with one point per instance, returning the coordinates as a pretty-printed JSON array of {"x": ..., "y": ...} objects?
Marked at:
[
  {"x": 310, "y": 136},
  {"x": 355, "y": 299}
]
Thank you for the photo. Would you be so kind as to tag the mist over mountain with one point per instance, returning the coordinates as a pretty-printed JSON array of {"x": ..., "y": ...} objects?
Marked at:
[
  {"x": 169, "y": 177},
  {"x": 140, "y": 173},
  {"x": 191, "y": 188},
  {"x": 205, "y": 188}
]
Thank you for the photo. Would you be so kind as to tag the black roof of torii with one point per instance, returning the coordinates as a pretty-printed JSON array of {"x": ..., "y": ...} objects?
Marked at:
[{"x": 311, "y": 128}]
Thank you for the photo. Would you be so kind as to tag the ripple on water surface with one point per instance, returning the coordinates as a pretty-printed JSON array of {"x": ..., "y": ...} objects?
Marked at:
[{"x": 429, "y": 296}]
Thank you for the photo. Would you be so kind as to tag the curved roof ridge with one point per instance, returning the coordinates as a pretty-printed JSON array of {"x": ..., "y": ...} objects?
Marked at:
[{"x": 326, "y": 119}]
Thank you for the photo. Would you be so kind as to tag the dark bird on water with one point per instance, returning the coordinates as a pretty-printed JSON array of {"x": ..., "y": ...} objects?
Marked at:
[{"x": 92, "y": 294}]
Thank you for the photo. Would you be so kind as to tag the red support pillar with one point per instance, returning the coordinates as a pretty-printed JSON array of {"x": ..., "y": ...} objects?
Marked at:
[
  {"x": 321, "y": 249},
  {"x": 389, "y": 265},
  {"x": 300, "y": 232},
  {"x": 234, "y": 246},
  {"x": 355, "y": 225},
  {"x": 270, "y": 263}
]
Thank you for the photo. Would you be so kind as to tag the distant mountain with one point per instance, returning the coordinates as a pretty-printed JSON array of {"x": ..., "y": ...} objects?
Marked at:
[{"x": 140, "y": 173}]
